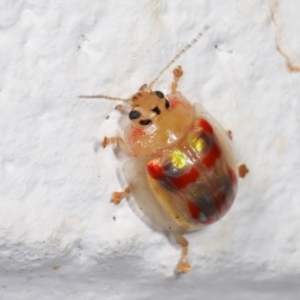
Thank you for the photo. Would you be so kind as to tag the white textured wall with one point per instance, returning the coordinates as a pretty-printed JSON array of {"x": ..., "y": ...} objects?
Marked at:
[{"x": 60, "y": 237}]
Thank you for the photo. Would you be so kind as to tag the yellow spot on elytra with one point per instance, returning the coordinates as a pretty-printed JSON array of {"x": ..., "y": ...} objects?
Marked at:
[
  {"x": 197, "y": 143},
  {"x": 178, "y": 159}
]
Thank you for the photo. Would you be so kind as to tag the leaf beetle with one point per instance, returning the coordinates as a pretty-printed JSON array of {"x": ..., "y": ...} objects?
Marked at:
[{"x": 182, "y": 174}]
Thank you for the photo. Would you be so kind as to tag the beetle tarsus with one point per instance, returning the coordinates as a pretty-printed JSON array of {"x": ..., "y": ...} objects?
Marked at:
[
  {"x": 183, "y": 264},
  {"x": 111, "y": 140},
  {"x": 117, "y": 197},
  {"x": 243, "y": 170},
  {"x": 105, "y": 142},
  {"x": 119, "y": 143}
]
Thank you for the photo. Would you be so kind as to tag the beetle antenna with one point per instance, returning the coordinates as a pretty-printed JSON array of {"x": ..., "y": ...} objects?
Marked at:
[
  {"x": 104, "y": 97},
  {"x": 194, "y": 41}
]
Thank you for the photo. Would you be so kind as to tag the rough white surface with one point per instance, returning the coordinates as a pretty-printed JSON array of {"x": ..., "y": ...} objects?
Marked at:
[{"x": 60, "y": 236}]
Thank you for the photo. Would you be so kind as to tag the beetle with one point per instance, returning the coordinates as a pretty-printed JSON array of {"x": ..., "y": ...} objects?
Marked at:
[{"x": 182, "y": 172}]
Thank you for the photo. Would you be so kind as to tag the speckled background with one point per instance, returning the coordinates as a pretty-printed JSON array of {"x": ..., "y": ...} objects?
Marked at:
[{"x": 60, "y": 237}]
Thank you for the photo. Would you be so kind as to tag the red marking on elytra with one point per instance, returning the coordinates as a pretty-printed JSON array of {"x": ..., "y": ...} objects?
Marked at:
[
  {"x": 154, "y": 169},
  {"x": 220, "y": 200},
  {"x": 194, "y": 210},
  {"x": 205, "y": 126},
  {"x": 210, "y": 159},
  {"x": 187, "y": 178}
]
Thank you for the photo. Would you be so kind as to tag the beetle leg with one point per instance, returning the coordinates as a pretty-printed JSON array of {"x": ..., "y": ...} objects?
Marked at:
[
  {"x": 177, "y": 72},
  {"x": 117, "y": 197},
  {"x": 116, "y": 140},
  {"x": 243, "y": 170},
  {"x": 183, "y": 264}
]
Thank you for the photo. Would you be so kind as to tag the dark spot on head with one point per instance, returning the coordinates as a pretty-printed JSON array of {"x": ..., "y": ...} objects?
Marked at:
[
  {"x": 134, "y": 114},
  {"x": 156, "y": 110},
  {"x": 167, "y": 104},
  {"x": 159, "y": 94},
  {"x": 145, "y": 122}
]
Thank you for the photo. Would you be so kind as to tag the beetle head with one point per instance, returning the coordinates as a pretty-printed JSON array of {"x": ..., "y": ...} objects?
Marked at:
[{"x": 146, "y": 106}]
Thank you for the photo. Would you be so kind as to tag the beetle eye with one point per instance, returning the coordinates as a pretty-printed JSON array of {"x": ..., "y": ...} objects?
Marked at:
[
  {"x": 159, "y": 94},
  {"x": 134, "y": 114}
]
